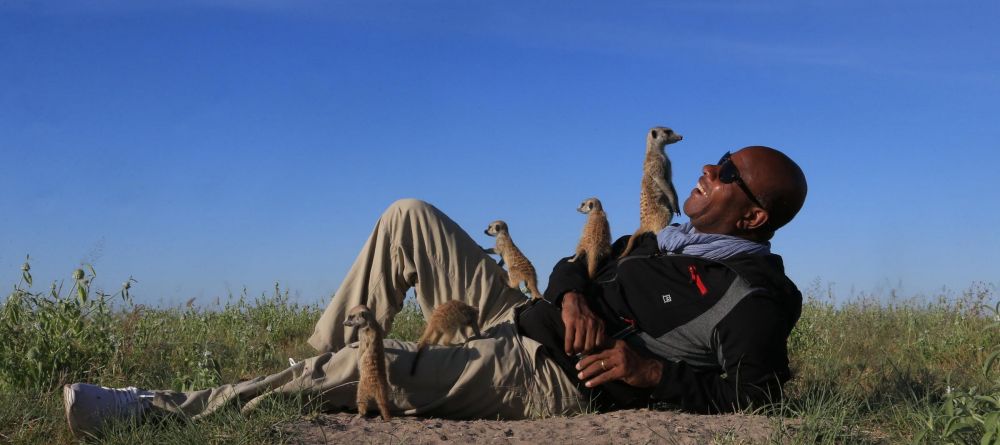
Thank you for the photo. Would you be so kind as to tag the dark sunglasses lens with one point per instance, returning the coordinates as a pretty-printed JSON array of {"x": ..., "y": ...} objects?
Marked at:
[{"x": 727, "y": 172}]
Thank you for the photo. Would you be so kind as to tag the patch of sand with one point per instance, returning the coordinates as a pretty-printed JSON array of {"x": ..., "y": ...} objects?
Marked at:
[{"x": 618, "y": 427}]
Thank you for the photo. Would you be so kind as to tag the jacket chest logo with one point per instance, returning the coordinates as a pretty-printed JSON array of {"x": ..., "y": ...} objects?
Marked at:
[{"x": 667, "y": 298}]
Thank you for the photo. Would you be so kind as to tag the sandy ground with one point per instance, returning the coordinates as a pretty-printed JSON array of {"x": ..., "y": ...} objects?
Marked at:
[{"x": 620, "y": 427}]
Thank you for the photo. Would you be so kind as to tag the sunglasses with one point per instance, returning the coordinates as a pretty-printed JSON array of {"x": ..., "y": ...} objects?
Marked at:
[{"x": 728, "y": 174}]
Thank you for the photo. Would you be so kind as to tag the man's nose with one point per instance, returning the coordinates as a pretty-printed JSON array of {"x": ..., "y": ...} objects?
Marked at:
[{"x": 710, "y": 170}]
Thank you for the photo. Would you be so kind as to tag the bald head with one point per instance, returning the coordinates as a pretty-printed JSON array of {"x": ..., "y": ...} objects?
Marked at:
[
  {"x": 759, "y": 193},
  {"x": 777, "y": 181}
]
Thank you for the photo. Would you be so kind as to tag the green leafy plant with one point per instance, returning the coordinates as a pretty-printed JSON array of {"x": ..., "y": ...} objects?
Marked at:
[
  {"x": 970, "y": 415},
  {"x": 55, "y": 336}
]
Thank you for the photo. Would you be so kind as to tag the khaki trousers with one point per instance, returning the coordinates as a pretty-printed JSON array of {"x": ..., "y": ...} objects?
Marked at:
[{"x": 414, "y": 245}]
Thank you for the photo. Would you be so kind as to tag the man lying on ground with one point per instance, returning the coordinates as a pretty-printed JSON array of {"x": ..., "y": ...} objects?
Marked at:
[{"x": 696, "y": 317}]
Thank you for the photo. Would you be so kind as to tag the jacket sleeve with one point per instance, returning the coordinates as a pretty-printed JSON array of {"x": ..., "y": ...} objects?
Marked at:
[
  {"x": 751, "y": 345},
  {"x": 567, "y": 276}
]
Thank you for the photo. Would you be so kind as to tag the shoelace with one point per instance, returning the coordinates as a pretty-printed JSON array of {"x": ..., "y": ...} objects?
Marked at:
[{"x": 128, "y": 401}]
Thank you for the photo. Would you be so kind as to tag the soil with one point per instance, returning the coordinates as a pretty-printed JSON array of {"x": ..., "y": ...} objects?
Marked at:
[{"x": 619, "y": 427}]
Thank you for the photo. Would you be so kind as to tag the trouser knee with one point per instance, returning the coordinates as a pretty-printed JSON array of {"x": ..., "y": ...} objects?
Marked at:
[{"x": 408, "y": 205}]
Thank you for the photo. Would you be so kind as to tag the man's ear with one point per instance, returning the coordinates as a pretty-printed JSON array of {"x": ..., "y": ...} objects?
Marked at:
[{"x": 754, "y": 219}]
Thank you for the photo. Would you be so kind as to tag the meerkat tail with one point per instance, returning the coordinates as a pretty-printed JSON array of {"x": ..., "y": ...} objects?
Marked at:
[
  {"x": 362, "y": 402},
  {"x": 382, "y": 399},
  {"x": 416, "y": 357},
  {"x": 533, "y": 288},
  {"x": 631, "y": 242},
  {"x": 430, "y": 336}
]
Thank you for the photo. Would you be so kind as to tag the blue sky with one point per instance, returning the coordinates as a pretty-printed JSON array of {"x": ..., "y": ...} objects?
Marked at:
[{"x": 201, "y": 146}]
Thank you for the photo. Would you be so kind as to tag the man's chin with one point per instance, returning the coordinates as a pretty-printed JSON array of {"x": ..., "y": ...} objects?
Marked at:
[{"x": 690, "y": 205}]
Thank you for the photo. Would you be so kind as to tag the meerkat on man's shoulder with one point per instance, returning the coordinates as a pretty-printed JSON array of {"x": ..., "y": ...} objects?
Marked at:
[
  {"x": 657, "y": 198},
  {"x": 595, "y": 241}
]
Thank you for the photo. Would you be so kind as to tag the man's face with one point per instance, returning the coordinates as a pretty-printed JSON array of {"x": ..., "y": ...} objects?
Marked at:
[{"x": 716, "y": 207}]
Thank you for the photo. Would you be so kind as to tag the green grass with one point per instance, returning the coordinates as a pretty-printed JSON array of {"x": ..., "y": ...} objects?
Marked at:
[{"x": 904, "y": 370}]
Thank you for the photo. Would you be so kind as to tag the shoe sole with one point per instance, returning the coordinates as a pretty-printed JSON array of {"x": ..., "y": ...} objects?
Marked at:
[{"x": 69, "y": 398}]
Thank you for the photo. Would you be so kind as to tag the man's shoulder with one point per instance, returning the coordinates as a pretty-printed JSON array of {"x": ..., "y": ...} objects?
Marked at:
[
  {"x": 766, "y": 273},
  {"x": 766, "y": 270}
]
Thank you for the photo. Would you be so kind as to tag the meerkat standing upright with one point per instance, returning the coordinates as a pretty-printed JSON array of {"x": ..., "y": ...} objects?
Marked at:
[
  {"x": 518, "y": 267},
  {"x": 448, "y": 319},
  {"x": 373, "y": 382},
  {"x": 595, "y": 241},
  {"x": 658, "y": 199}
]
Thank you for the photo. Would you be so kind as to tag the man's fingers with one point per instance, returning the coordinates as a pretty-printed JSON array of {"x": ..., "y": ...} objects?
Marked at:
[
  {"x": 586, "y": 361},
  {"x": 613, "y": 373},
  {"x": 592, "y": 338},
  {"x": 590, "y": 366},
  {"x": 580, "y": 340},
  {"x": 568, "y": 340},
  {"x": 597, "y": 370},
  {"x": 599, "y": 338}
]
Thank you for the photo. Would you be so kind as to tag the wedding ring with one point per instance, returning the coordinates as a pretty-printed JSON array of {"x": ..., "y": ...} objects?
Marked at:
[{"x": 602, "y": 365}]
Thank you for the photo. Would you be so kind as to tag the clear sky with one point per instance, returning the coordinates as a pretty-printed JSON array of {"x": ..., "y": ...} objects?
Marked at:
[{"x": 201, "y": 146}]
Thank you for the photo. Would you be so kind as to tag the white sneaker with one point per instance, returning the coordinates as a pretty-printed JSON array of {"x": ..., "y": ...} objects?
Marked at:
[{"x": 89, "y": 406}]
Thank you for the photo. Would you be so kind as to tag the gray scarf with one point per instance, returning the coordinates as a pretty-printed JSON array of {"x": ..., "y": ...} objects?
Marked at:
[{"x": 683, "y": 238}]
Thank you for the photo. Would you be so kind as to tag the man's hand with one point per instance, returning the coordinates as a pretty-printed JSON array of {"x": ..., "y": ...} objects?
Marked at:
[
  {"x": 619, "y": 363},
  {"x": 584, "y": 330}
]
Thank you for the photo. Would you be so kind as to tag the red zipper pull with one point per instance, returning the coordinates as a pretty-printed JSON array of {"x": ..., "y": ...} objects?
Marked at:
[{"x": 697, "y": 280}]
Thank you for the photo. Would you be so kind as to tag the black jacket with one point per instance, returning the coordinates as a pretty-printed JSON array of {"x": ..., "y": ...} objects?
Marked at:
[{"x": 719, "y": 327}]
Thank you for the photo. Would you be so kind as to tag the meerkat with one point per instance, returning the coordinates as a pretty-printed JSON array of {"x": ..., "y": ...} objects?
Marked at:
[
  {"x": 658, "y": 199},
  {"x": 595, "y": 241},
  {"x": 518, "y": 267},
  {"x": 448, "y": 319},
  {"x": 373, "y": 382}
]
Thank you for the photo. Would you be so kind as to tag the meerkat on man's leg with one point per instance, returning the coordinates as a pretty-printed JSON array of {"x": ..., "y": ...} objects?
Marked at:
[
  {"x": 448, "y": 319},
  {"x": 518, "y": 267}
]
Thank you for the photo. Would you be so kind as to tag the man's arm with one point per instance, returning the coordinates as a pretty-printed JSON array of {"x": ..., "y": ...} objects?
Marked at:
[
  {"x": 567, "y": 288},
  {"x": 584, "y": 329},
  {"x": 751, "y": 343}
]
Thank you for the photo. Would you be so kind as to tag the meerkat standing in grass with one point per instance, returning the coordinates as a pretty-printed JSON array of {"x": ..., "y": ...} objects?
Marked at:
[
  {"x": 373, "y": 382},
  {"x": 448, "y": 319},
  {"x": 658, "y": 199},
  {"x": 518, "y": 267},
  {"x": 595, "y": 241}
]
